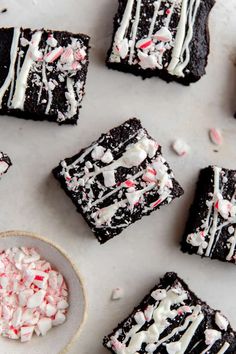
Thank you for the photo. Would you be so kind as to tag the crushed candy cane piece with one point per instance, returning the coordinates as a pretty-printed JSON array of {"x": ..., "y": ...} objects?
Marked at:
[
  {"x": 52, "y": 41},
  {"x": 44, "y": 325},
  {"x": 26, "y": 333},
  {"x": 180, "y": 147},
  {"x": 163, "y": 35},
  {"x": 144, "y": 43},
  {"x": 117, "y": 294},
  {"x": 33, "y": 296},
  {"x": 215, "y": 136},
  {"x": 53, "y": 55}
]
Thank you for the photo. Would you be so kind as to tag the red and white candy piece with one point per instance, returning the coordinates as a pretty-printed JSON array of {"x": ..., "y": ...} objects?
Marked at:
[
  {"x": 216, "y": 136},
  {"x": 180, "y": 147},
  {"x": 129, "y": 183},
  {"x": 26, "y": 333},
  {"x": 144, "y": 43},
  {"x": 163, "y": 35},
  {"x": 123, "y": 48},
  {"x": 53, "y": 55},
  {"x": 225, "y": 208},
  {"x": 68, "y": 56},
  {"x": 80, "y": 54}
]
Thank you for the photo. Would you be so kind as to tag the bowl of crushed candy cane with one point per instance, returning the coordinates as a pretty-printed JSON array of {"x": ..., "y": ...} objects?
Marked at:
[{"x": 42, "y": 297}]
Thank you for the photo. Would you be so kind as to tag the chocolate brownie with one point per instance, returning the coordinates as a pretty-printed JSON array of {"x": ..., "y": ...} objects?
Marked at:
[
  {"x": 118, "y": 179},
  {"x": 211, "y": 227},
  {"x": 42, "y": 74},
  {"x": 169, "y": 39},
  {"x": 5, "y": 163},
  {"x": 172, "y": 319}
]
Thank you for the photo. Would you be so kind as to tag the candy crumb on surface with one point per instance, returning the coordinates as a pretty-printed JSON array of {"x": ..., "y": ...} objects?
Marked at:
[
  {"x": 215, "y": 136},
  {"x": 180, "y": 147},
  {"x": 117, "y": 294}
]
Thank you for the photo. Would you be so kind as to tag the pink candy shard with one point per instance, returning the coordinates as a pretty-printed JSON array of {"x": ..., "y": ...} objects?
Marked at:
[
  {"x": 67, "y": 56},
  {"x": 33, "y": 297},
  {"x": 215, "y": 136}
]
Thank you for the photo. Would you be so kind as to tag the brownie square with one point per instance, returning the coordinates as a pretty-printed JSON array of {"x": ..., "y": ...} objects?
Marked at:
[
  {"x": 172, "y": 319},
  {"x": 211, "y": 227},
  {"x": 42, "y": 74},
  {"x": 118, "y": 179},
  {"x": 169, "y": 39},
  {"x": 5, "y": 163}
]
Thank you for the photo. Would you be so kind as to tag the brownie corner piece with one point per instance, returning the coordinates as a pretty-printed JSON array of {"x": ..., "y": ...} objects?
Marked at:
[
  {"x": 169, "y": 39},
  {"x": 5, "y": 163},
  {"x": 43, "y": 74},
  {"x": 211, "y": 227},
  {"x": 171, "y": 319},
  {"x": 118, "y": 179}
]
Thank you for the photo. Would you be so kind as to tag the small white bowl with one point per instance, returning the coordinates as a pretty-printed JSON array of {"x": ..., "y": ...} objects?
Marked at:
[{"x": 58, "y": 339}]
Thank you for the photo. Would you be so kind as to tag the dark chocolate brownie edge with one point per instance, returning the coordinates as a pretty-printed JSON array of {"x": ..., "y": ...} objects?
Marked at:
[
  {"x": 170, "y": 279},
  {"x": 200, "y": 44},
  {"x": 202, "y": 188},
  {"x": 37, "y": 117}
]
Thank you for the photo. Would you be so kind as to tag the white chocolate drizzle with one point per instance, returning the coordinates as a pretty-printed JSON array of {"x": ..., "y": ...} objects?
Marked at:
[
  {"x": 21, "y": 81},
  {"x": 224, "y": 348},
  {"x": 13, "y": 57}
]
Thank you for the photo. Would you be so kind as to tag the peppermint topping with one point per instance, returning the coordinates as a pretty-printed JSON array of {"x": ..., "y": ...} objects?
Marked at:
[
  {"x": 225, "y": 208},
  {"x": 163, "y": 35},
  {"x": 159, "y": 294},
  {"x": 98, "y": 153},
  {"x": 215, "y": 136},
  {"x": 33, "y": 296},
  {"x": 221, "y": 321},
  {"x": 211, "y": 336}
]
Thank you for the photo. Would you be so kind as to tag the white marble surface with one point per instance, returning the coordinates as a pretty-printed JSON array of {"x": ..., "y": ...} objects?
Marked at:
[{"x": 32, "y": 200}]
